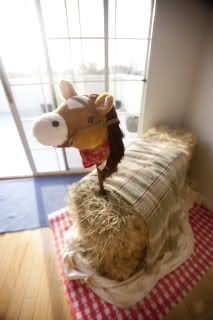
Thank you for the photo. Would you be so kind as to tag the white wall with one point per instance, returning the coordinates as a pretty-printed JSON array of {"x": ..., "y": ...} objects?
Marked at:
[
  {"x": 199, "y": 117},
  {"x": 180, "y": 79},
  {"x": 177, "y": 35}
]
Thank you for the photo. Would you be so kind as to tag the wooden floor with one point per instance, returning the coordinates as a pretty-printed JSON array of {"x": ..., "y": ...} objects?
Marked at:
[
  {"x": 31, "y": 289},
  {"x": 29, "y": 284}
]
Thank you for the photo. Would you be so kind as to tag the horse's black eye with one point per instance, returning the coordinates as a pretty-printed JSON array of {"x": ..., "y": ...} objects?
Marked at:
[
  {"x": 55, "y": 123},
  {"x": 91, "y": 119}
]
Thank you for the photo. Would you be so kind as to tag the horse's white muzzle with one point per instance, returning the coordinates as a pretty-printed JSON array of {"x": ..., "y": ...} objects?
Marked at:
[{"x": 50, "y": 129}]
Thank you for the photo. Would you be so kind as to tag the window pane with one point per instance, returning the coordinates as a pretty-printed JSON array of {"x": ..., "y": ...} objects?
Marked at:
[
  {"x": 74, "y": 158},
  {"x": 128, "y": 122},
  {"x": 90, "y": 87},
  {"x": 89, "y": 21},
  {"x": 92, "y": 18},
  {"x": 54, "y": 16},
  {"x": 32, "y": 100},
  {"x": 21, "y": 46},
  {"x": 125, "y": 62},
  {"x": 13, "y": 158},
  {"x": 46, "y": 159},
  {"x": 85, "y": 20},
  {"x": 73, "y": 18},
  {"x": 83, "y": 88},
  {"x": 129, "y": 18},
  {"x": 77, "y": 59},
  {"x": 127, "y": 95}
]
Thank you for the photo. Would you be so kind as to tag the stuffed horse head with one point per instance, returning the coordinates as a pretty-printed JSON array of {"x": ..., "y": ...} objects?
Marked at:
[{"x": 88, "y": 123}]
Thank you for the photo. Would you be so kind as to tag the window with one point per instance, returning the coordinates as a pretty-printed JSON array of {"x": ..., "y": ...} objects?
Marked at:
[
  {"x": 77, "y": 49},
  {"x": 98, "y": 45}
]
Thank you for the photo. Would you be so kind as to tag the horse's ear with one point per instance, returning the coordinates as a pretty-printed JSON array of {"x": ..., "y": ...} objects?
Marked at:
[
  {"x": 104, "y": 102},
  {"x": 67, "y": 89}
]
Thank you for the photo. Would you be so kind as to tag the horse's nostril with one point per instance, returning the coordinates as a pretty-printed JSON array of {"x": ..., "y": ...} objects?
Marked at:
[{"x": 55, "y": 123}]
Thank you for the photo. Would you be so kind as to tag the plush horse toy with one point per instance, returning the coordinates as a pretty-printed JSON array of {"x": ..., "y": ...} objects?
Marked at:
[{"x": 88, "y": 123}]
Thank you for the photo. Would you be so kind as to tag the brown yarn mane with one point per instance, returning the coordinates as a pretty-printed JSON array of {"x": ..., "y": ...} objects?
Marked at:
[{"x": 115, "y": 139}]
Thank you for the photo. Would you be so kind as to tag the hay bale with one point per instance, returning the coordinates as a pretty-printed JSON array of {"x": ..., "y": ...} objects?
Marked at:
[
  {"x": 179, "y": 138},
  {"x": 112, "y": 235}
]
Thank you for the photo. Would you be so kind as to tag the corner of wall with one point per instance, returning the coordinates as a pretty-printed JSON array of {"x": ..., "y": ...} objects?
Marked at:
[
  {"x": 198, "y": 66},
  {"x": 177, "y": 34}
]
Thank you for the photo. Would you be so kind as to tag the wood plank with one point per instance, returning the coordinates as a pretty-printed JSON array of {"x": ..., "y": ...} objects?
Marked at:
[
  {"x": 12, "y": 259},
  {"x": 20, "y": 280},
  {"x": 27, "y": 310},
  {"x": 30, "y": 285}
]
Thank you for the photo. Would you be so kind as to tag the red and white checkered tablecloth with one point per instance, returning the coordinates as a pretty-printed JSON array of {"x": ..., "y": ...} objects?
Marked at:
[{"x": 168, "y": 291}]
